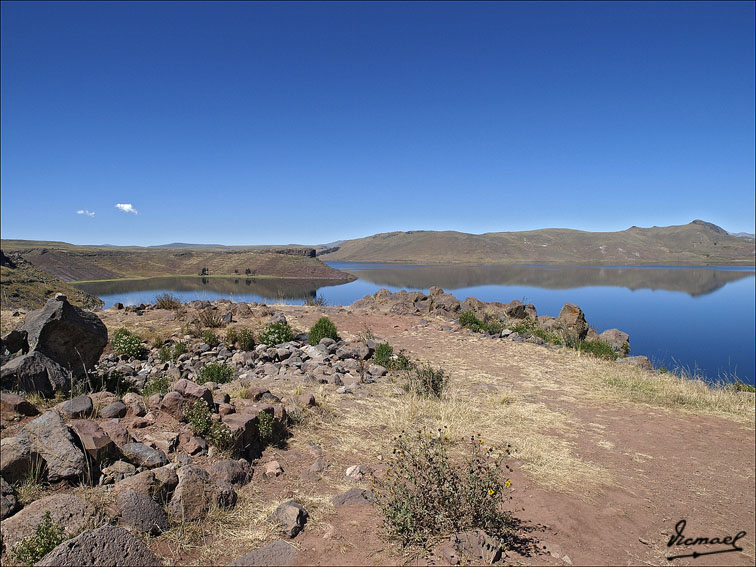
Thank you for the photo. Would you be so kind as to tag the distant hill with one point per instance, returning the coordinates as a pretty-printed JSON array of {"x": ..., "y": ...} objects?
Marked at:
[
  {"x": 69, "y": 262},
  {"x": 697, "y": 243}
]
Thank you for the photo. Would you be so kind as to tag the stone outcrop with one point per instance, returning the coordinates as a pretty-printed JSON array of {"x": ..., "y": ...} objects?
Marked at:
[
  {"x": 197, "y": 492},
  {"x": 35, "y": 372},
  {"x": 277, "y": 553},
  {"x": 44, "y": 445},
  {"x": 108, "y": 545}
]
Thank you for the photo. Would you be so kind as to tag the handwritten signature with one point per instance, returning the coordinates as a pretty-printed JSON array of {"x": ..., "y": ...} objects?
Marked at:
[{"x": 680, "y": 539}]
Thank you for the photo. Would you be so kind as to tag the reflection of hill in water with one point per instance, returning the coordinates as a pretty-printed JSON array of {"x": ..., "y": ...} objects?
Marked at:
[
  {"x": 271, "y": 288},
  {"x": 694, "y": 281}
]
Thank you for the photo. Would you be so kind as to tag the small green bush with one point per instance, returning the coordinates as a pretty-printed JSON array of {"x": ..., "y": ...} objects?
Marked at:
[
  {"x": 164, "y": 353},
  {"x": 47, "y": 536},
  {"x": 246, "y": 340},
  {"x": 266, "y": 427},
  {"x": 548, "y": 336},
  {"x": 198, "y": 417},
  {"x": 323, "y": 328},
  {"x": 210, "y": 338},
  {"x": 157, "y": 385},
  {"x": 125, "y": 343},
  {"x": 383, "y": 354},
  {"x": 276, "y": 333},
  {"x": 232, "y": 335},
  {"x": 424, "y": 495},
  {"x": 739, "y": 386},
  {"x": 427, "y": 381},
  {"x": 524, "y": 326},
  {"x": 167, "y": 301},
  {"x": 599, "y": 349},
  {"x": 178, "y": 349},
  {"x": 221, "y": 436},
  {"x": 469, "y": 320},
  {"x": 218, "y": 372}
]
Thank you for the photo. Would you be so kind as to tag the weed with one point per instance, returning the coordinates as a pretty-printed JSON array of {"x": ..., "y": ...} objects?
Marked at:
[
  {"x": 598, "y": 348},
  {"x": 167, "y": 301},
  {"x": 157, "y": 385},
  {"x": 266, "y": 427},
  {"x": 739, "y": 386},
  {"x": 366, "y": 334},
  {"x": 157, "y": 341},
  {"x": 124, "y": 342},
  {"x": 425, "y": 495},
  {"x": 210, "y": 338},
  {"x": 47, "y": 536},
  {"x": 178, "y": 349},
  {"x": 164, "y": 353},
  {"x": 232, "y": 335},
  {"x": 218, "y": 372},
  {"x": 210, "y": 318},
  {"x": 323, "y": 328},
  {"x": 427, "y": 381},
  {"x": 525, "y": 326},
  {"x": 276, "y": 333},
  {"x": 114, "y": 382},
  {"x": 469, "y": 320},
  {"x": 316, "y": 301},
  {"x": 382, "y": 355},
  {"x": 246, "y": 340},
  {"x": 198, "y": 417},
  {"x": 221, "y": 436}
]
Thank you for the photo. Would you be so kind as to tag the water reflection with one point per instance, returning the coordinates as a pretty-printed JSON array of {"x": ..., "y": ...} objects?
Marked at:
[{"x": 694, "y": 281}]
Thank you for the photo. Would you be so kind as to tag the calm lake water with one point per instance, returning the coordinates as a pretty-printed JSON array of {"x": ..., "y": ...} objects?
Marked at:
[{"x": 698, "y": 318}]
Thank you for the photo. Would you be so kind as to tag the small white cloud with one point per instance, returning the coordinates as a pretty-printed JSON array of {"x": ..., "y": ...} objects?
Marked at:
[
  {"x": 85, "y": 212},
  {"x": 127, "y": 208}
]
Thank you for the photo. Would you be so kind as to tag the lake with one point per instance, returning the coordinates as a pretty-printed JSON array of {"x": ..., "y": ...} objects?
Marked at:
[{"x": 698, "y": 318}]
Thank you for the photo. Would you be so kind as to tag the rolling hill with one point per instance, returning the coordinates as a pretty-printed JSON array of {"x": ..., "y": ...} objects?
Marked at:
[{"x": 696, "y": 243}]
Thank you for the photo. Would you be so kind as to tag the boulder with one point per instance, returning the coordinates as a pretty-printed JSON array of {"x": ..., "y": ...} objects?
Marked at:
[
  {"x": 159, "y": 484},
  {"x": 353, "y": 497},
  {"x": 95, "y": 441},
  {"x": 572, "y": 317},
  {"x": 8, "y": 501},
  {"x": 197, "y": 492},
  {"x": 277, "y": 553},
  {"x": 108, "y": 545},
  {"x": 639, "y": 361},
  {"x": 15, "y": 341},
  {"x": 619, "y": 340},
  {"x": 231, "y": 471},
  {"x": 69, "y": 335},
  {"x": 140, "y": 513},
  {"x": 116, "y": 472},
  {"x": 35, "y": 372},
  {"x": 191, "y": 444},
  {"x": 193, "y": 391},
  {"x": 143, "y": 456},
  {"x": 173, "y": 404},
  {"x": 16, "y": 404},
  {"x": 76, "y": 408},
  {"x": 44, "y": 442},
  {"x": 114, "y": 410},
  {"x": 74, "y": 514},
  {"x": 291, "y": 516},
  {"x": 117, "y": 432}
]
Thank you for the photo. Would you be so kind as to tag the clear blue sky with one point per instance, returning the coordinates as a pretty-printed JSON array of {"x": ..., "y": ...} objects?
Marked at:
[{"x": 266, "y": 123}]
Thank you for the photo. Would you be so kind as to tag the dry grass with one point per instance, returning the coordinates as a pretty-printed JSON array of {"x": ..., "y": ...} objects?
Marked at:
[
  {"x": 366, "y": 427},
  {"x": 677, "y": 392}
]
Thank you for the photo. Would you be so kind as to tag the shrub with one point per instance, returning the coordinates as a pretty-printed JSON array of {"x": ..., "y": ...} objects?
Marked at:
[
  {"x": 316, "y": 301},
  {"x": 383, "y": 354},
  {"x": 47, "y": 536},
  {"x": 124, "y": 342},
  {"x": 266, "y": 427},
  {"x": 232, "y": 335},
  {"x": 221, "y": 436},
  {"x": 198, "y": 417},
  {"x": 210, "y": 318},
  {"x": 425, "y": 495},
  {"x": 178, "y": 349},
  {"x": 157, "y": 385},
  {"x": 157, "y": 341},
  {"x": 246, "y": 340},
  {"x": 323, "y": 328},
  {"x": 276, "y": 333},
  {"x": 427, "y": 381},
  {"x": 210, "y": 338},
  {"x": 164, "y": 353},
  {"x": 524, "y": 326},
  {"x": 739, "y": 386},
  {"x": 114, "y": 382},
  {"x": 469, "y": 320},
  {"x": 167, "y": 301},
  {"x": 598, "y": 348},
  {"x": 218, "y": 372},
  {"x": 548, "y": 336}
]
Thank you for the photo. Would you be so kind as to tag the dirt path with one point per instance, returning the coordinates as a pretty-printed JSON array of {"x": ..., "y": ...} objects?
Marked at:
[{"x": 662, "y": 466}]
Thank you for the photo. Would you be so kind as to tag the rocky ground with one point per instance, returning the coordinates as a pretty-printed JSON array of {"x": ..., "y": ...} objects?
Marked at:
[{"x": 607, "y": 457}]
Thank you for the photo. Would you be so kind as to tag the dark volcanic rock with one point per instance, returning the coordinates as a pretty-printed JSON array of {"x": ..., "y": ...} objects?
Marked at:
[
  {"x": 14, "y": 403},
  {"x": 277, "y": 553},
  {"x": 108, "y": 545},
  {"x": 8, "y": 501},
  {"x": 35, "y": 372},
  {"x": 144, "y": 456},
  {"x": 291, "y": 516},
  {"x": 197, "y": 492},
  {"x": 76, "y": 408},
  {"x": 141, "y": 513},
  {"x": 353, "y": 497},
  {"x": 44, "y": 442},
  {"x": 69, "y": 335}
]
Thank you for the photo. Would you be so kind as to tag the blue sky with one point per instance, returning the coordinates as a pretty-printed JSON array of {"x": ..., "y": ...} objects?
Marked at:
[{"x": 268, "y": 123}]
